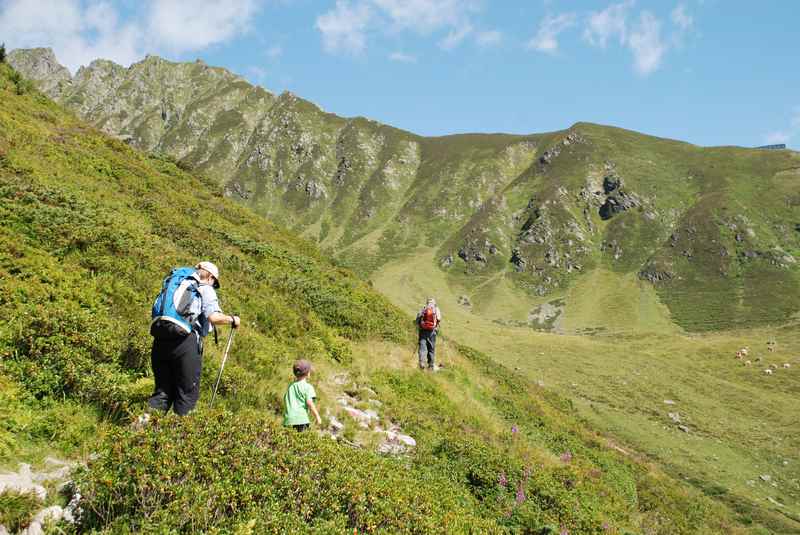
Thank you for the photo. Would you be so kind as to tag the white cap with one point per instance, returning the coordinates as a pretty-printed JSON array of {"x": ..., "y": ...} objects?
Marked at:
[{"x": 211, "y": 268}]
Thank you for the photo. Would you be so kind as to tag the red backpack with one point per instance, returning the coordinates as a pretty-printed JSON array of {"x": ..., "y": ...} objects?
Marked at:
[{"x": 428, "y": 319}]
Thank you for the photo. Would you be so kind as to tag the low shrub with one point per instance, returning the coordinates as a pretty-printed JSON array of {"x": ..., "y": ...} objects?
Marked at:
[
  {"x": 17, "y": 509},
  {"x": 220, "y": 471}
]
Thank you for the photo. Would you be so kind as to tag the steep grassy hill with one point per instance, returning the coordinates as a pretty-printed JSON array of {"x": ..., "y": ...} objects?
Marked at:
[
  {"x": 90, "y": 226},
  {"x": 715, "y": 230}
]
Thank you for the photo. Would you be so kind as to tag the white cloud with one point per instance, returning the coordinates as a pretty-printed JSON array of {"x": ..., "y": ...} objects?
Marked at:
[
  {"x": 546, "y": 39},
  {"x": 795, "y": 120},
  {"x": 777, "y": 137},
  {"x": 181, "y": 26},
  {"x": 81, "y": 31},
  {"x": 644, "y": 39},
  {"x": 646, "y": 44},
  {"x": 788, "y": 134},
  {"x": 402, "y": 58},
  {"x": 344, "y": 27},
  {"x": 77, "y": 34},
  {"x": 256, "y": 74},
  {"x": 455, "y": 37},
  {"x": 274, "y": 52},
  {"x": 489, "y": 38},
  {"x": 681, "y": 17},
  {"x": 608, "y": 24},
  {"x": 427, "y": 15}
]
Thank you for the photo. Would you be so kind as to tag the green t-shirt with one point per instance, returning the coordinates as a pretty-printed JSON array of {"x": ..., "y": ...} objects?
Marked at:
[{"x": 294, "y": 401}]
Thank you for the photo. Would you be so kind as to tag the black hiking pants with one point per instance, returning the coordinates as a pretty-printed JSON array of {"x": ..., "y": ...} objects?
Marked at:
[
  {"x": 427, "y": 348},
  {"x": 177, "y": 364}
]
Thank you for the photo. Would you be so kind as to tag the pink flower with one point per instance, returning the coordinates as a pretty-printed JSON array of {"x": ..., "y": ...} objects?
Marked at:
[
  {"x": 514, "y": 429},
  {"x": 520, "y": 494},
  {"x": 502, "y": 480},
  {"x": 564, "y": 531},
  {"x": 606, "y": 527},
  {"x": 566, "y": 456}
]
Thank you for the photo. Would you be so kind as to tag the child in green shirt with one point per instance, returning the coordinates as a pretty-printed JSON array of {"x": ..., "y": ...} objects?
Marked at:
[{"x": 299, "y": 398}]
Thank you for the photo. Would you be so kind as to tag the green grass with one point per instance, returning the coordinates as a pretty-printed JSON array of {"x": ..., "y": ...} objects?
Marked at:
[
  {"x": 91, "y": 226},
  {"x": 741, "y": 422},
  {"x": 17, "y": 509}
]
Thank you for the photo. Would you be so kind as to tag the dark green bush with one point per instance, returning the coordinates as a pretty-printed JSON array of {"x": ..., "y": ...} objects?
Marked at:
[{"x": 2, "y": 53}]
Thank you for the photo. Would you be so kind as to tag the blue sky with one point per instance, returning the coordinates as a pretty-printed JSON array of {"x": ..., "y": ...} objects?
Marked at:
[{"x": 711, "y": 72}]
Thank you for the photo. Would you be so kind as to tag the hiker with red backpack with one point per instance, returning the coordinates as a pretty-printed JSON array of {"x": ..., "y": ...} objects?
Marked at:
[
  {"x": 183, "y": 314},
  {"x": 428, "y": 321}
]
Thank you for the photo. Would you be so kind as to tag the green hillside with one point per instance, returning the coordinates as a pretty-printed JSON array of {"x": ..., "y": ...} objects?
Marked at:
[
  {"x": 89, "y": 228},
  {"x": 713, "y": 230}
]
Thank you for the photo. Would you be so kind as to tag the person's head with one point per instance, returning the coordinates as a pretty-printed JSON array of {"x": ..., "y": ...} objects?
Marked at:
[
  {"x": 208, "y": 273},
  {"x": 301, "y": 369},
  {"x": 431, "y": 302}
]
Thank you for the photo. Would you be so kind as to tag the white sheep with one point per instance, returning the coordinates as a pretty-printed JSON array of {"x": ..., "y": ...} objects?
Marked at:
[
  {"x": 747, "y": 363},
  {"x": 744, "y": 351},
  {"x": 773, "y": 366},
  {"x": 768, "y": 371},
  {"x": 787, "y": 365}
]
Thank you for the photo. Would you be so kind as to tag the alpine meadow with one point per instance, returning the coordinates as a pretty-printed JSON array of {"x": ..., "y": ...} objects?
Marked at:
[{"x": 619, "y": 353}]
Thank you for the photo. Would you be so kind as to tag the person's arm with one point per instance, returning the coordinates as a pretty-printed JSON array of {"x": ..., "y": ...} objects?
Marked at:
[
  {"x": 218, "y": 318},
  {"x": 313, "y": 408},
  {"x": 212, "y": 310}
]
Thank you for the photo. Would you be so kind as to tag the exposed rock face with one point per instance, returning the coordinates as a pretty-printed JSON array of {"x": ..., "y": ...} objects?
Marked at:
[{"x": 41, "y": 64}]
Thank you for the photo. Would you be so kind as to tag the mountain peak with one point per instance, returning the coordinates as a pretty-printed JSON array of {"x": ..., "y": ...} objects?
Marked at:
[{"x": 41, "y": 65}]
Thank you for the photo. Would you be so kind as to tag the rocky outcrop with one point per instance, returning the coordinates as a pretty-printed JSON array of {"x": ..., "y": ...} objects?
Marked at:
[{"x": 41, "y": 65}]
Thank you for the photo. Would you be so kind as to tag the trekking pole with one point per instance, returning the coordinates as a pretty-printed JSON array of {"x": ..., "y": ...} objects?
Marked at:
[{"x": 224, "y": 358}]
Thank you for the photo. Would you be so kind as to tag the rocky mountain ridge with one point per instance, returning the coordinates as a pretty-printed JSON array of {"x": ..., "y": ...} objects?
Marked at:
[{"x": 714, "y": 229}]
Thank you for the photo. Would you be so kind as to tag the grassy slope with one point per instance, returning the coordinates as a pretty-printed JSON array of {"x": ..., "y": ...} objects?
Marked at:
[
  {"x": 90, "y": 227},
  {"x": 742, "y": 423}
]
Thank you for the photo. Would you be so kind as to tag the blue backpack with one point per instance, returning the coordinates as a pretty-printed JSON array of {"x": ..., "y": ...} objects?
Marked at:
[{"x": 177, "y": 306}]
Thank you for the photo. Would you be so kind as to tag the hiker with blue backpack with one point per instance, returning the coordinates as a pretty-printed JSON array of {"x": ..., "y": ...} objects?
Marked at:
[
  {"x": 183, "y": 314},
  {"x": 428, "y": 320}
]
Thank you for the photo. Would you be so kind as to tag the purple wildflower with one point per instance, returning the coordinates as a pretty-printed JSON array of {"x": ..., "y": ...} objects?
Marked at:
[
  {"x": 514, "y": 429},
  {"x": 564, "y": 531},
  {"x": 606, "y": 527},
  {"x": 566, "y": 456},
  {"x": 520, "y": 494},
  {"x": 503, "y": 480}
]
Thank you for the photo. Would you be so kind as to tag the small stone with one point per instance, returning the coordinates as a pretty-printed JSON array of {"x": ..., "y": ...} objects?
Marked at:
[
  {"x": 3, "y": 530},
  {"x": 683, "y": 428},
  {"x": 765, "y": 477},
  {"x": 335, "y": 425},
  {"x": 34, "y": 528},
  {"x": 341, "y": 379},
  {"x": 669, "y": 402},
  {"x": 53, "y": 513},
  {"x": 674, "y": 416}
]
